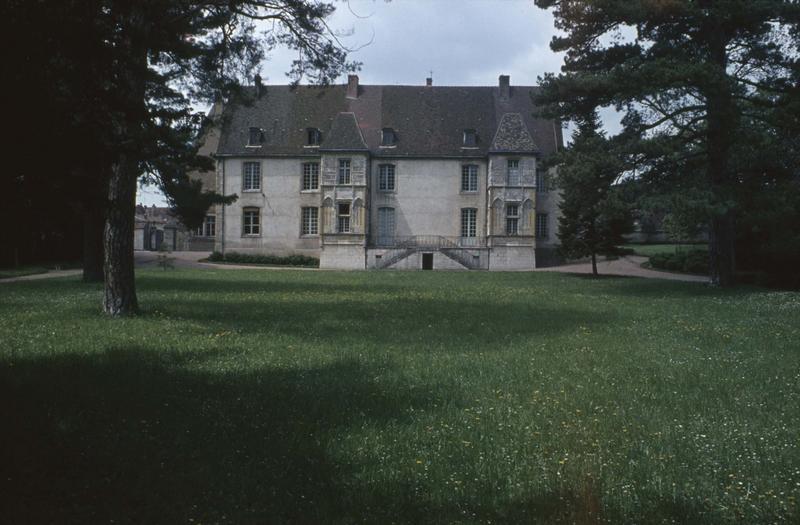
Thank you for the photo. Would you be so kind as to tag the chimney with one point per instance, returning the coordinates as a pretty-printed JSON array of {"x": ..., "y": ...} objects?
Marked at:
[
  {"x": 505, "y": 86},
  {"x": 429, "y": 81},
  {"x": 352, "y": 86},
  {"x": 258, "y": 85}
]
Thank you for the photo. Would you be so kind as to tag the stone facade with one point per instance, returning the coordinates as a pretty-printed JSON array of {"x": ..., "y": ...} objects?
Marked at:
[{"x": 392, "y": 183}]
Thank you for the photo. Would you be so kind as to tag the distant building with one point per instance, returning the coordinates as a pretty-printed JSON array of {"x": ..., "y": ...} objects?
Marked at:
[
  {"x": 156, "y": 227},
  {"x": 387, "y": 176}
]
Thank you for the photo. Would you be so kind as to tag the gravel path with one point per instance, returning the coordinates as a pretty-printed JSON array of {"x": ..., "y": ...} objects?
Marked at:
[{"x": 629, "y": 265}]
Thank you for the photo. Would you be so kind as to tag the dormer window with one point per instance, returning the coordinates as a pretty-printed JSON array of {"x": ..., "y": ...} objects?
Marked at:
[
  {"x": 314, "y": 136},
  {"x": 256, "y": 137},
  {"x": 470, "y": 138},
  {"x": 388, "y": 137}
]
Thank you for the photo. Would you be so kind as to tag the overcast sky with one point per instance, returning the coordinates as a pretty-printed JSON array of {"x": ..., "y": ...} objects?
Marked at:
[{"x": 464, "y": 43}]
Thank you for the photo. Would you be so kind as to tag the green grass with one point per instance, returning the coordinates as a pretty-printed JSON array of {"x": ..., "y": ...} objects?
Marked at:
[
  {"x": 647, "y": 250},
  {"x": 392, "y": 397}
]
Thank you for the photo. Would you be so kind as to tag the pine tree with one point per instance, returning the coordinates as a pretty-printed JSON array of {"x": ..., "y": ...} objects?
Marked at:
[
  {"x": 690, "y": 75},
  {"x": 593, "y": 216},
  {"x": 120, "y": 78}
]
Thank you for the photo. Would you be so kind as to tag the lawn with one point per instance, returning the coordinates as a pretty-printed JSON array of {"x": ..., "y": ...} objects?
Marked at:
[
  {"x": 391, "y": 397},
  {"x": 648, "y": 250}
]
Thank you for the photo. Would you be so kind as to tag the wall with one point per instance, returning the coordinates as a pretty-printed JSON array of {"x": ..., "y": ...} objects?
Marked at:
[
  {"x": 428, "y": 198},
  {"x": 504, "y": 258},
  {"x": 342, "y": 257},
  {"x": 280, "y": 201}
]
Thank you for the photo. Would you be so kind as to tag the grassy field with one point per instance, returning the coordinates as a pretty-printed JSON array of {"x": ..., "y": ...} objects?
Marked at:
[
  {"x": 392, "y": 397},
  {"x": 647, "y": 250}
]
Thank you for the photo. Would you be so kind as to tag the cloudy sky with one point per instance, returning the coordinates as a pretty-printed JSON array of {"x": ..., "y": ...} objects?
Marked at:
[{"x": 464, "y": 42}]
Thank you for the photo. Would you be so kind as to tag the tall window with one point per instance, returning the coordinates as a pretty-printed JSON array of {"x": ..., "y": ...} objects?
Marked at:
[
  {"x": 310, "y": 221},
  {"x": 512, "y": 219},
  {"x": 314, "y": 136},
  {"x": 311, "y": 176},
  {"x": 255, "y": 137},
  {"x": 541, "y": 226},
  {"x": 470, "y": 138},
  {"x": 388, "y": 137},
  {"x": 541, "y": 181},
  {"x": 208, "y": 228},
  {"x": 251, "y": 177},
  {"x": 469, "y": 177},
  {"x": 344, "y": 217},
  {"x": 386, "y": 177},
  {"x": 469, "y": 223},
  {"x": 344, "y": 171},
  {"x": 251, "y": 221},
  {"x": 512, "y": 178},
  {"x": 385, "y": 226}
]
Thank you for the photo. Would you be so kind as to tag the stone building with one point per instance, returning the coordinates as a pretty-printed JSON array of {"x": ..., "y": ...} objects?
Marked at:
[{"x": 388, "y": 176}]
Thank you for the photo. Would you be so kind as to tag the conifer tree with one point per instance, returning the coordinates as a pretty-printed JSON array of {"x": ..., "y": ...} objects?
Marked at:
[
  {"x": 593, "y": 216},
  {"x": 690, "y": 74}
]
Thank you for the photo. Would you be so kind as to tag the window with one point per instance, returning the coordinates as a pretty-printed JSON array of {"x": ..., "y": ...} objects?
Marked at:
[
  {"x": 512, "y": 178},
  {"x": 469, "y": 224},
  {"x": 470, "y": 138},
  {"x": 311, "y": 176},
  {"x": 208, "y": 228},
  {"x": 385, "y": 226},
  {"x": 388, "y": 137},
  {"x": 541, "y": 226},
  {"x": 469, "y": 178},
  {"x": 251, "y": 177},
  {"x": 251, "y": 221},
  {"x": 344, "y": 217},
  {"x": 310, "y": 221},
  {"x": 512, "y": 219},
  {"x": 314, "y": 136},
  {"x": 541, "y": 181},
  {"x": 386, "y": 177},
  {"x": 344, "y": 171},
  {"x": 255, "y": 138}
]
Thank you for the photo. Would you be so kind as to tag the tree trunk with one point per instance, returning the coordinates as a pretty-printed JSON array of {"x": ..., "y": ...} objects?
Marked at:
[
  {"x": 120, "y": 287},
  {"x": 119, "y": 298},
  {"x": 594, "y": 264},
  {"x": 721, "y": 124},
  {"x": 93, "y": 227}
]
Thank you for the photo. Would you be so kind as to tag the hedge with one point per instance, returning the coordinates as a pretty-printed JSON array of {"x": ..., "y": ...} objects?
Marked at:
[
  {"x": 272, "y": 260},
  {"x": 692, "y": 261}
]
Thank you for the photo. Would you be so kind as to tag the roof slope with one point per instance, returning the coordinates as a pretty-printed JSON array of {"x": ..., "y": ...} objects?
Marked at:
[
  {"x": 429, "y": 121},
  {"x": 344, "y": 135}
]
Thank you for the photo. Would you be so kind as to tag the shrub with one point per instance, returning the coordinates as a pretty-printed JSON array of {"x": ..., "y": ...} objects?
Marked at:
[
  {"x": 272, "y": 260},
  {"x": 692, "y": 261}
]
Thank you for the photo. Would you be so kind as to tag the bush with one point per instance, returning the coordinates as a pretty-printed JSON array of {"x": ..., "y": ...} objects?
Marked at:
[
  {"x": 692, "y": 261},
  {"x": 272, "y": 260}
]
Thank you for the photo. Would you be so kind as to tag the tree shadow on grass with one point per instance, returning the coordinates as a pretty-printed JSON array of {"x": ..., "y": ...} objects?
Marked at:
[
  {"x": 408, "y": 323},
  {"x": 261, "y": 284},
  {"x": 136, "y": 436},
  {"x": 142, "y": 437}
]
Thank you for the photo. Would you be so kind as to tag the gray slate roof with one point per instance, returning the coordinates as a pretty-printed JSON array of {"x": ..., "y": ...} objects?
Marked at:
[
  {"x": 428, "y": 121},
  {"x": 344, "y": 135}
]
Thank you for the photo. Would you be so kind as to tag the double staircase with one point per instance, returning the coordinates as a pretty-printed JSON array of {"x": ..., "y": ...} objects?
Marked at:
[{"x": 455, "y": 249}]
